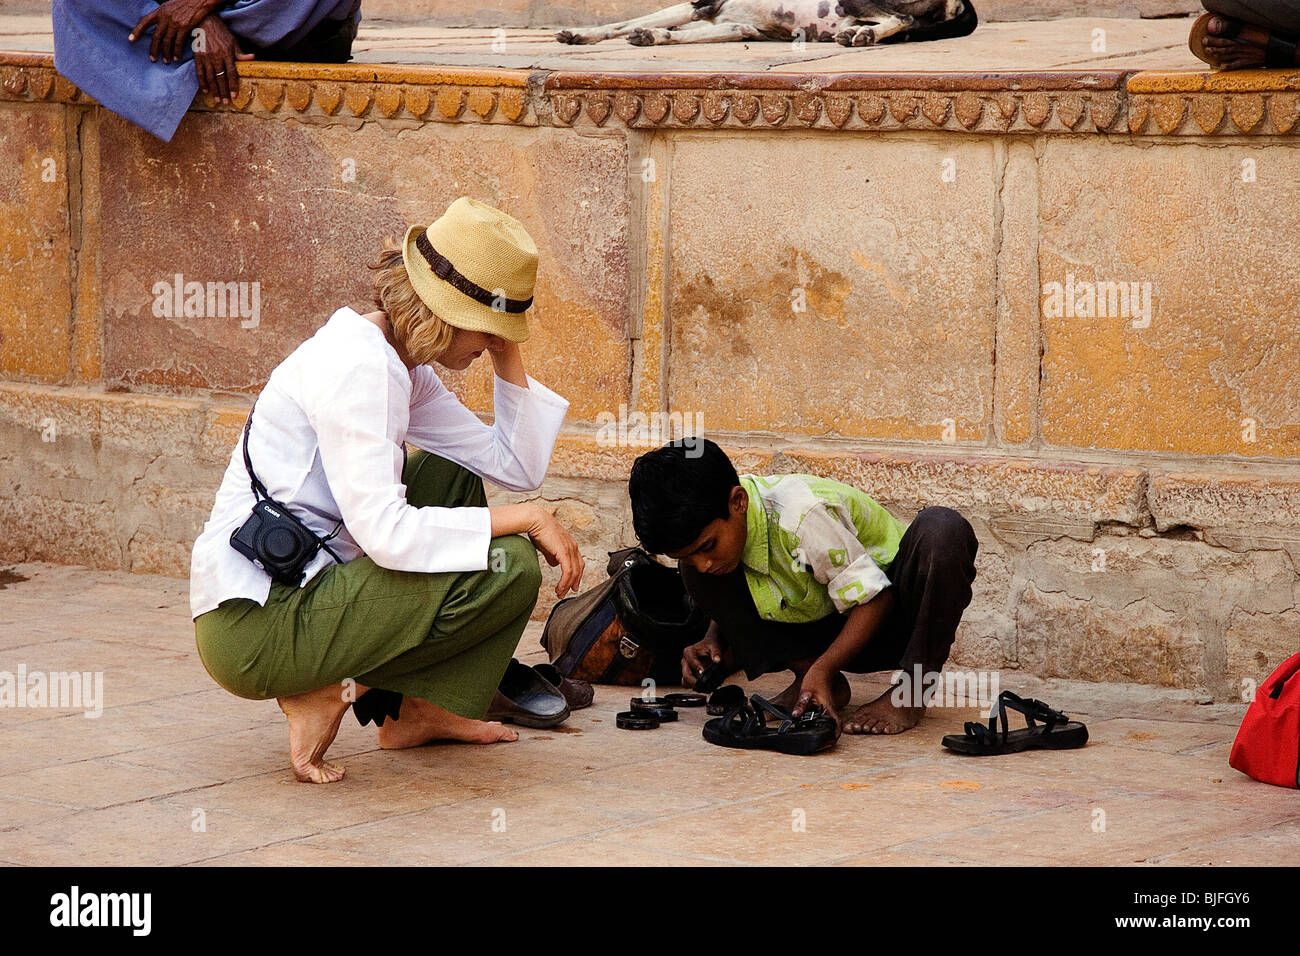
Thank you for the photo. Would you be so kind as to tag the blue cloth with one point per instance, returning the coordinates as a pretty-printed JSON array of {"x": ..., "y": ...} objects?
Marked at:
[{"x": 91, "y": 50}]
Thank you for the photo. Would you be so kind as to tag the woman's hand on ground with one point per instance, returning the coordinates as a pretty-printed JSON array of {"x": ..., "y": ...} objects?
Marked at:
[
  {"x": 696, "y": 657},
  {"x": 172, "y": 22},
  {"x": 215, "y": 63}
]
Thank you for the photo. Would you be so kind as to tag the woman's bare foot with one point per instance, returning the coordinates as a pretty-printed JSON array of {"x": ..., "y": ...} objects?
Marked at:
[
  {"x": 314, "y": 719},
  {"x": 883, "y": 716},
  {"x": 1245, "y": 51},
  {"x": 839, "y": 688},
  {"x": 420, "y": 722}
]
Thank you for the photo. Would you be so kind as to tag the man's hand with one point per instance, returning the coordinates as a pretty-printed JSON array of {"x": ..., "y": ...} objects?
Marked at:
[
  {"x": 557, "y": 547},
  {"x": 173, "y": 21},
  {"x": 698, "y": 656},
  {"x": 815, "y": 691},
  {"x": 215, "y": 63}
]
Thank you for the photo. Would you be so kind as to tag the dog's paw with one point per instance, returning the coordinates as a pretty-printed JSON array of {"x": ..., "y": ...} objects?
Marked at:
[
  {"x": 861, "y": 36},
  {"x": 570, "y": 36},
  {"x": 643, "y": 36},
  {"x": 844, "y": 38}
]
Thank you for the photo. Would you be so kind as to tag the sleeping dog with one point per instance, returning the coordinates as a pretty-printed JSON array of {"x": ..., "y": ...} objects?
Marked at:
[{"x": 850, "y": 22}]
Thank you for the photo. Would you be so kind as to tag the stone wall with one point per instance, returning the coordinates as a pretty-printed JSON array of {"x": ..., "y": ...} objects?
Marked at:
[{"x": 851, "y": 277}]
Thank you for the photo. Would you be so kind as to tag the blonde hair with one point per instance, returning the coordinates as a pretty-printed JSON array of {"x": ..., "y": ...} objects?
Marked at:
[{"x": 424, "y": 336}]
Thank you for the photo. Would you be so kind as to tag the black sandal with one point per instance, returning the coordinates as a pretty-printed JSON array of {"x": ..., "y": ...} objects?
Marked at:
[
  {"x": 1057, "y": 732},
  {"x": 725, "y": 698},
  {"x": 745, "y": 726}
]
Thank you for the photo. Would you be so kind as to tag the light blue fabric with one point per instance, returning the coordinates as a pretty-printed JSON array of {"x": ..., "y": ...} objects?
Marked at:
[{"x": 91, "y": 50}]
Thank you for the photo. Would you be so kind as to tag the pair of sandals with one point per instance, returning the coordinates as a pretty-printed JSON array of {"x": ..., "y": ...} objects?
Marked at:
[
  {"x": 1279, "y": 53},
  {"x": 744, "y": 725}
]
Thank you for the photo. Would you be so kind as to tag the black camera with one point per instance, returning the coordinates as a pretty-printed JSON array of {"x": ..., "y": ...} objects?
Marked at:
[
  {"x": 272, "y": 538},
  {"x": 276, "y": 542}
]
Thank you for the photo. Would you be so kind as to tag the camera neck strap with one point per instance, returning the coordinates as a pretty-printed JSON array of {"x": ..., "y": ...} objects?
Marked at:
[
  {"x": 259, "y": 489},
  {"x": 260, "y": 492}
]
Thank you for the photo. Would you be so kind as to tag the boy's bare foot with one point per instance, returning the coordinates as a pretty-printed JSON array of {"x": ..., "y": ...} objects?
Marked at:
[
  {"x": 839, "y": 688},
  {"x": 314, "y": 719},
  {"x": 420, "y": 722},
  {"x": 883, "y": 716}
]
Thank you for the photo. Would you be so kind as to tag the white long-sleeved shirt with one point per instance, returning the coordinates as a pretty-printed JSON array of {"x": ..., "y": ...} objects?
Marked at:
[{"x": 327, "y": 441}]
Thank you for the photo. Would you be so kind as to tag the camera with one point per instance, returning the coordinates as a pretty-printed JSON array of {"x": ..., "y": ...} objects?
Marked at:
[
  {"x": 272, "y": 538},
  {"x": 276, "y": 541}
]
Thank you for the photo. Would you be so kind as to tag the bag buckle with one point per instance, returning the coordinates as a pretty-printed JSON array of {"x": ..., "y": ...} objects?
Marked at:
[{"x": 628, "y": 647}]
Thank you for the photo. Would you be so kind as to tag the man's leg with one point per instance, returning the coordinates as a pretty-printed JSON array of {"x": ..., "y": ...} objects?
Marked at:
[
  {"x": 1281, "y": 15},
  {"x": 330, "y": 41},
  {"x": 931, "y": 578}
]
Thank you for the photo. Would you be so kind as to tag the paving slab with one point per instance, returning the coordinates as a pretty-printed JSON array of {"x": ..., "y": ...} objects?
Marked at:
[
  {"x": 176, "y": 771},
  {"x": 1069, "y": 44}
]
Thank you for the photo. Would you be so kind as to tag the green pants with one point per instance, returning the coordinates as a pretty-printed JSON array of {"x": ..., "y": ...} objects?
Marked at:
[{"x": 444, "y": 637}]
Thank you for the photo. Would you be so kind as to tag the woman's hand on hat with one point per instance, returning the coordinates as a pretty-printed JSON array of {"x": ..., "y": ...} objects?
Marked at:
[{"x": 507, "y": 362}]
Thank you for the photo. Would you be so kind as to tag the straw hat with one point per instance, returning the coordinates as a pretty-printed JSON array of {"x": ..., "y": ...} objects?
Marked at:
[{"x": 474, "y": 267}]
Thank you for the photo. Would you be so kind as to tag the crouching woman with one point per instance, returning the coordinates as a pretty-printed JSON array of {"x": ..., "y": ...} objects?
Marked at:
[{"x": 414, "y": 606}]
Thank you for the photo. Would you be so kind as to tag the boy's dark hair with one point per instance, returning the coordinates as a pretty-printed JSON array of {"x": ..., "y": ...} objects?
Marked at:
[{"x": 677, "y": 490}]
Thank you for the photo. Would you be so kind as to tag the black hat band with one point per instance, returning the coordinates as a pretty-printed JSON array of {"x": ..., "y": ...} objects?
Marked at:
[{"x": 443, "y": 269}]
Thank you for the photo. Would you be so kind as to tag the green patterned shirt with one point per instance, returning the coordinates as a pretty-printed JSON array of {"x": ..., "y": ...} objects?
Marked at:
[{"x": 814, "y": 546}]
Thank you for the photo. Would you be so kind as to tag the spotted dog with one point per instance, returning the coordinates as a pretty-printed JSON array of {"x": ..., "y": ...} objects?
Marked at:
[{"x": 849, "y": 22}]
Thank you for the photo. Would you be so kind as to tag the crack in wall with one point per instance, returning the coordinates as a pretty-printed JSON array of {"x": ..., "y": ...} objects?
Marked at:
[
  {"x": 73, "y": 175},
  {"x": 1001, "y": 157}
]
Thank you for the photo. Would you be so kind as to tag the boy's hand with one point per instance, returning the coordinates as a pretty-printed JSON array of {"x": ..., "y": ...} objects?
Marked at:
[
  {"x": 815, "y": 690},
  {"x": 698, "y": 656}
]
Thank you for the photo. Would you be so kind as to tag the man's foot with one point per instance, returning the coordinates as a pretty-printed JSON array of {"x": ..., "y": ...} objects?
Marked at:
[
  {"x": 1245, "y": 51},
  {"x": 314, "y": 719},
  {"x": 420, "y": 722},
  {"x": 883, "y": 716},
  {"x": 839, "y": 689}
]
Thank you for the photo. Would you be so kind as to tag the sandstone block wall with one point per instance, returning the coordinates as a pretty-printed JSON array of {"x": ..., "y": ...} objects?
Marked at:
[{"x": 878, "y": 279}]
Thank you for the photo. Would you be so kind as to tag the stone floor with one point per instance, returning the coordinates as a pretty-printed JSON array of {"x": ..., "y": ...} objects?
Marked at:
[
  {"x": 177, "y": 771},
  {"x": 1037, "y": 46}
]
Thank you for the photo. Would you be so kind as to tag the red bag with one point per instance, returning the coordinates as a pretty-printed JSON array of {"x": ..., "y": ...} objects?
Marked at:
[{"x": 1268, "y": 744}]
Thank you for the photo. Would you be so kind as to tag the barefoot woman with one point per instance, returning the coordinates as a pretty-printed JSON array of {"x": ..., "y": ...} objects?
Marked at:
[{"x": 432, "y": 588}]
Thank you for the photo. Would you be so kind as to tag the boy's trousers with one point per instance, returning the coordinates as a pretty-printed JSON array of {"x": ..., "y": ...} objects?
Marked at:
[{"x": 930, "y": 578}]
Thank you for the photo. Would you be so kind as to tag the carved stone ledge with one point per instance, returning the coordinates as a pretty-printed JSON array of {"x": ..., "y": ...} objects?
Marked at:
[
  {"x": 1219, "y": 114},
  {"x": 1251, "y": 103},
  {"x": 433, "y": 103},
  {"x": 899, "y": 109},
  {"x": 1239, "y": 103}
]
